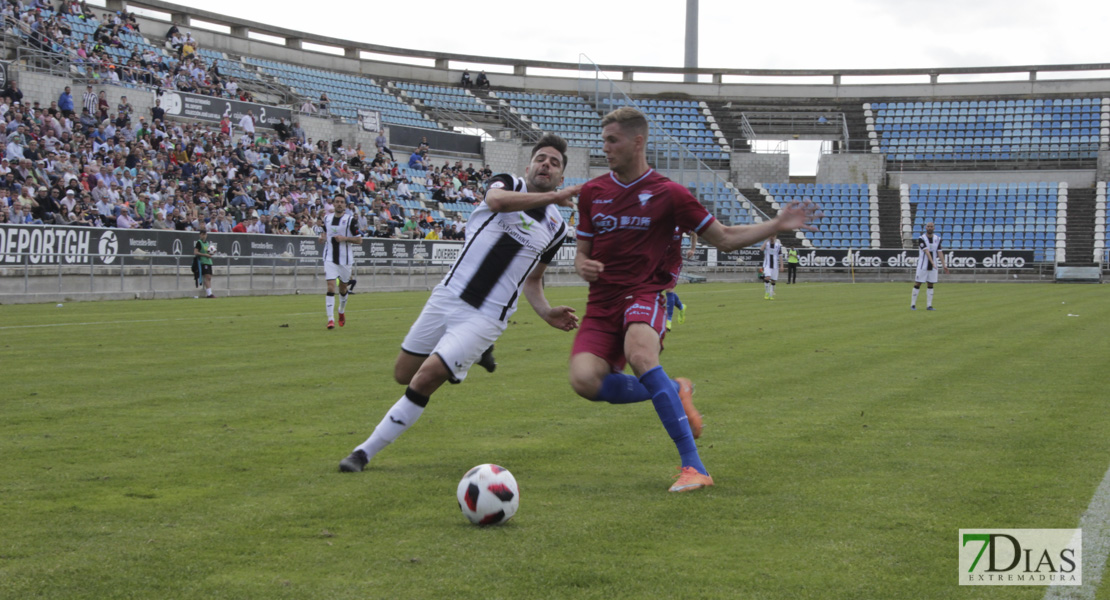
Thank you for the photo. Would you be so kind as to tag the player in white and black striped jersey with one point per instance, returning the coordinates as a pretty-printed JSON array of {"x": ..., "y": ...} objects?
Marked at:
[
  {"x": 340, "y": 237},
  {"x": 930, "y": 259},
  {"x": 510, "y": 238},
  {"x": 772, "y": 262}
]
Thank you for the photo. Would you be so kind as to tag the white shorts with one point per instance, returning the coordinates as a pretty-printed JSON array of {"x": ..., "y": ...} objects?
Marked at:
[
  {"x": 334, "y": 271},
  {"x": 772, "y": 274},
  {"x": 453, "y": 330},
  {"x": 925, "y": 276}
]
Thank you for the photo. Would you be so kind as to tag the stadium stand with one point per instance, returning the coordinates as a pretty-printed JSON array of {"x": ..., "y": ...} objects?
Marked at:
[
  {"x": 989, "y": 129},
  {"x": 992, "y": 216},
  {"x": 120, "y": 170},
  {"x": 569, "y": 116},
  {"x": 436, "y": 96},
  {"x": 851, "y": 212},
  {"x": 348, "y": 93},
  {"x": 679, "y": 120},
  {"x": 1058, "y": 220}
]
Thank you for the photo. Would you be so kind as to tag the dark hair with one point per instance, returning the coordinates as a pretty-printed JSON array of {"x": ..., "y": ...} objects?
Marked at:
[{"x": 550, "y": 140}]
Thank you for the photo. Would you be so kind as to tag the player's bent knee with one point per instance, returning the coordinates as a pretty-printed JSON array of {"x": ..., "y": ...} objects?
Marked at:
[
  {"x": 585, "y": 382},
  {"x": 587, "y": 387}
]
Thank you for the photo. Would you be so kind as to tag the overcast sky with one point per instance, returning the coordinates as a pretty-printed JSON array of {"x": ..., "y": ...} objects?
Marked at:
[{"x": 801, "y": 34}]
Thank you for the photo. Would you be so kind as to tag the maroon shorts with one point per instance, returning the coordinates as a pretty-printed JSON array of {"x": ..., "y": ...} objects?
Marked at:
[{"x": 601, "y": 332}]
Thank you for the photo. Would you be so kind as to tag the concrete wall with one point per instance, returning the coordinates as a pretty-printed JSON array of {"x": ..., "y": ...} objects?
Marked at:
[
  {"x": 504, "y": 156},
  {"x": 1102, "y": 171},
  {"x": 749, "y": 168},
  {"x": 45, "y": 88},
  {"x": 578, "y": 163},
  {"x": 851, "y": 168},
  {"x": 1079, "y": 178}
]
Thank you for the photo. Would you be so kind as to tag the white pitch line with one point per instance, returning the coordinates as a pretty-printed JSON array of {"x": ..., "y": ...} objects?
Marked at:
[{"x": 1095, "y": 524}]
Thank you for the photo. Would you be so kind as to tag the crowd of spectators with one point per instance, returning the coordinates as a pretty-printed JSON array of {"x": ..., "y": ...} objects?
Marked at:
[
  {"x": 80, "y": 161},
  {"x": 49, "y": 31}
]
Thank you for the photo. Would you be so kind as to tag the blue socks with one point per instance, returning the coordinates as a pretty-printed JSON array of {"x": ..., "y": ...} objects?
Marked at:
[
  {"x": 619, "y": 388},
  {"x": 664, "y": 396},
  {"x": 672, "y": 301}
]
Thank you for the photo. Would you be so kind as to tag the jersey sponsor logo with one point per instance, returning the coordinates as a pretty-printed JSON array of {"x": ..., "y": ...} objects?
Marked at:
[
  {"x": 644, "y": 197},
  {"x": 637, "y": 223},
  {"x": 606, "y": 201},
  {"x": 496, "y": 185},
  {"x": 603, "y": 223},
  {"x": 525, "y": 224},
  {"x": 552, "y": 224}
]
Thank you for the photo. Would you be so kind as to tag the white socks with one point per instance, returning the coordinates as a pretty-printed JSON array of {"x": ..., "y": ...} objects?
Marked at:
[
  {"x": 399, "y": 418},
  {"x": 208, "y": 291},
  {"x": 342, "y": 303},
  {"x": 913, "y": 299},
  {"x": 929, "y": 296},
  {"x": 330, "y": 303}
]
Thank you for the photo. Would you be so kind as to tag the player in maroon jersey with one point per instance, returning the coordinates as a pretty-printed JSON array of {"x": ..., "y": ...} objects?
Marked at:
[{"x": 626, "y": 226}]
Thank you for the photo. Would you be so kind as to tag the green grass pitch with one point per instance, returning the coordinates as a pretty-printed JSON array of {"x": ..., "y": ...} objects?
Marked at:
[{"x": 188, "y": 449}]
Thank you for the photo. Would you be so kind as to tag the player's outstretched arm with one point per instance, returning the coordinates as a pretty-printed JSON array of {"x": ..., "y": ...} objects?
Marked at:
[
  {"x": 796, "y": 215},
  {"x": 501, "y": 200},
  {"x": 559, "y": 317},
  {"x": 586, "y": 267}
]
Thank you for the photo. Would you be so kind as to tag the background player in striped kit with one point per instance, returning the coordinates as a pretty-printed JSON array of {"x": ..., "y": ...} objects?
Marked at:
[
  {"x": 340, "y": 237},
  {"x": 930, "y": 259},
  {"x": 772, "y": 260},
  {"x": 510, "y": 239}
]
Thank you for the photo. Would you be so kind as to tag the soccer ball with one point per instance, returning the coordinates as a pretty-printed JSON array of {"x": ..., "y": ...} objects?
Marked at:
[
  {"x": 488, "y": 495},
  {"x": 212, "y": 248}
]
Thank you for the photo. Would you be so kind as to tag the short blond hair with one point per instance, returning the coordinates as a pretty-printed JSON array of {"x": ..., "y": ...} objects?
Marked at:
[{"x": 631, "y": 121}]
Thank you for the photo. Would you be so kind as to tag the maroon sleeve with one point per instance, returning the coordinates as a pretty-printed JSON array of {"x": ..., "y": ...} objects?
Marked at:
[
  {"x": 689, "y": 214},
  {"x": 585, "y": 205}
]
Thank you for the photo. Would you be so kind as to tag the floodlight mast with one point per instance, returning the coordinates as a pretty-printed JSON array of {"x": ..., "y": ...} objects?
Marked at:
[{"x": 691, "y": 40}]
